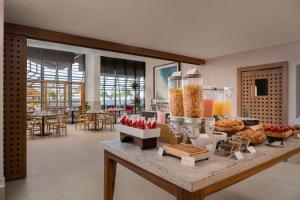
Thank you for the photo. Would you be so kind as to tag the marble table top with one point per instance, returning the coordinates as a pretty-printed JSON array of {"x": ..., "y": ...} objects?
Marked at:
[{"x": 204, "y": 173}]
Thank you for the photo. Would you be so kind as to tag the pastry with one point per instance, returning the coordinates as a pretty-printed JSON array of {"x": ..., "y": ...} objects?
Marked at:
[
  {"x": 255, "y": 137},
  {"x": 229, "y": 126}
]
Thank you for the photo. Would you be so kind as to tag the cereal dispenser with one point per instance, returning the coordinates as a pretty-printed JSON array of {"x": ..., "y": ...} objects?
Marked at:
[
  {"x": 193, "y": 102},
  {"x": 176, "y": 103}
]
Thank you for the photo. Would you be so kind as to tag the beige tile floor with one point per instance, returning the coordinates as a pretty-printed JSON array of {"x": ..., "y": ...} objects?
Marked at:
[{"x": 70, "y": 168}]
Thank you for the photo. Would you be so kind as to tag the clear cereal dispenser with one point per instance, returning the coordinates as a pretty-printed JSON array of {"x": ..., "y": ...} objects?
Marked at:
[
  {"x": 176, "y": 103},
  {"x": 193, "y": 103},
  {"x": 193, "y": 96}
]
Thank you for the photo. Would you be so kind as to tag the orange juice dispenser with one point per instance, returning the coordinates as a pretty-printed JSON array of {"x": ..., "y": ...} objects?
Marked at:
[
  {"x": 209, "y": 96},
  {"x": 227, "y": 105},
  {"x": 218, "y": 102}
]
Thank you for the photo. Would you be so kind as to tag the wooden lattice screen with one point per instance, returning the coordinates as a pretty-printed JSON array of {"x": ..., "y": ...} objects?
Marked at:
[
  {"x": 267, "y": 108},
  {"x": 15, "y": 48}
]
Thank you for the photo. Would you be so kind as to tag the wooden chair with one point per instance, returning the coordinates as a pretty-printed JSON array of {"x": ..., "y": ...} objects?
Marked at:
[
  {"x": 62, "y": 125},
  {"x": 52, "y": 123},
  {"x": 34, "y": 126},
  {"x": 89, "y": 120},
  {"x": 100, "y": 120},
  {"x": 79, "y": 119},
  {"x": 29, "y": 129},
  {"x": 109, "y": 119}
]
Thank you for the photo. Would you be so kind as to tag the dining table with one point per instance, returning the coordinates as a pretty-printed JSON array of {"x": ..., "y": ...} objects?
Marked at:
[
  {"x": 42, "y": 115},
  {"x": 188, "y": 182}
]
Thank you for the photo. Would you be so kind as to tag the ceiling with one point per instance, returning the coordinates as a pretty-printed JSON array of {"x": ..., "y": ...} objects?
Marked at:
[{"x": 198, "y": 28}]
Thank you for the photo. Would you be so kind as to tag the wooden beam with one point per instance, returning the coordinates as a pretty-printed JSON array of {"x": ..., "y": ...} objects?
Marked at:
[{"x": 65, "y": 38}]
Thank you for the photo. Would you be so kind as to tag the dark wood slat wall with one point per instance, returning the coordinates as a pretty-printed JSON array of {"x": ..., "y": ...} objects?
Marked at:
[
  {"x": 65, "y": 38},
  {"x": 15, "y": 55}
]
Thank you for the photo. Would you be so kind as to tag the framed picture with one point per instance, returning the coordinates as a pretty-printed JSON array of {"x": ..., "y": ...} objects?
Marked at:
[{"x": 161, "y": 74}]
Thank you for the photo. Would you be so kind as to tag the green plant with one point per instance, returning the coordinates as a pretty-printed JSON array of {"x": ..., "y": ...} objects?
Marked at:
[
  {"x": 51, "y": 94},
  {"x": 87, "y": 106},
  {"x": 137, "y": 102}
]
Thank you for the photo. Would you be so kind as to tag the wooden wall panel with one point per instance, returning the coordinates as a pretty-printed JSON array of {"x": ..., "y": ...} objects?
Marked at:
[
  {"x": 269, "y": 109},
  {"x": 14, "y": 83}
]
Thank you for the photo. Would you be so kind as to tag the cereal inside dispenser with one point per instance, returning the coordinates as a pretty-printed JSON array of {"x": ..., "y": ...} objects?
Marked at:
[
  {"x": 192, "y": 95},
  {"x": 175, "y": 95}
]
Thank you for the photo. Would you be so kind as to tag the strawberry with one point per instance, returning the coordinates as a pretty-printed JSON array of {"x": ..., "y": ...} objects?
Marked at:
[
  {"x": 134, "y": 123},
  {"x": 149, "y": 124},
  {"x": 127, "y": 122},
  {"x": 123, "y": 120},
  {"x": 153, "y": 124}
]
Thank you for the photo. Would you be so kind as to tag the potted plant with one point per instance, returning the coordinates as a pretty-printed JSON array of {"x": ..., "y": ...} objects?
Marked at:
[{"x": 87, "y": 106}]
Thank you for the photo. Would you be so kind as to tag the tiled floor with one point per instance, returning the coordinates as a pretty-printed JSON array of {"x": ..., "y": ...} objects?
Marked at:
[{"x": 70, "y": 168}]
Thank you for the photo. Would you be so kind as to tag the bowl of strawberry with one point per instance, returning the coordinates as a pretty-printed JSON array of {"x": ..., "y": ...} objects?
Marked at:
[{"x": 138, "y": 130}]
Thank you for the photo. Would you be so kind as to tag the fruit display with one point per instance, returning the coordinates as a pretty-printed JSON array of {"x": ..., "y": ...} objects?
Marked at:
[
  {"x": 279, "y": 131},
  {"x": 139, "y": 123},
  {"x": 255, "y": 137}
]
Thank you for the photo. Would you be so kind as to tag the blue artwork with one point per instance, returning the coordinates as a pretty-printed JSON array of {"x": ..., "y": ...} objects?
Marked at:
[{"x": 161, "y": 74}]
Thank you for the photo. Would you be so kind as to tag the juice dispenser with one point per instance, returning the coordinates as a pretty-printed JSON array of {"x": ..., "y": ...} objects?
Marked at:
[
  {"x": 210, "y": 94},
  {"x": 227, "y": 105},
  {"x": 218, "y": 103}
]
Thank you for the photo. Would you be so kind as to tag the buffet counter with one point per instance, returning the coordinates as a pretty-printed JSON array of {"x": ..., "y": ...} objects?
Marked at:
[{"x": 185, "y": 182}]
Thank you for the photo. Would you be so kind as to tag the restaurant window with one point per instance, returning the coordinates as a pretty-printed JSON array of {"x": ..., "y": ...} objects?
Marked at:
[
  {"x": 122, "y": 83},
  {"x": 54, "y": 79}
]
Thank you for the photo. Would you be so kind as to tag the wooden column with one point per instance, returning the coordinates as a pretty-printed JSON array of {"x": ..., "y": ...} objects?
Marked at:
[{"x": 14, "y": 109}]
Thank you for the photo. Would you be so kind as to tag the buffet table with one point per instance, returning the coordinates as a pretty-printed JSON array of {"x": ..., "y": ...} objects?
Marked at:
[{"x": 184, "y": 182}]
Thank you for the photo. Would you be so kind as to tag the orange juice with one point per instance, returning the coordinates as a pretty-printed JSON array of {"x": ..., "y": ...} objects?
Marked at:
[
  {"x": 227, "y": 108},
  {"x": 208, "y": 107},
  {"x": 218, "y": 108}
]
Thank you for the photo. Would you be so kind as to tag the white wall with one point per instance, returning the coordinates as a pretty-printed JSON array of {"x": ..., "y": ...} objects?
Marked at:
[{"x": 222, "y": 71}]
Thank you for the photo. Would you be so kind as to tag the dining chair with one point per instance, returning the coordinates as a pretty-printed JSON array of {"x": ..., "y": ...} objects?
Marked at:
[
  {"x": 62, "y": 125},
  {"x": 100, "y": 120},
  {"x": 89, "y": 120},
  {"x": 109, "y": 119},
  {"x": 35, "y": 127},
  {"x": 52, "y": 123},
  {"x": 79, "y": 119}
]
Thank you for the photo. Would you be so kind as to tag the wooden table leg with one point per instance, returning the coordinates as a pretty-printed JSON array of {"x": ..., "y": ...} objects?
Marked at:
[
  {"x": 109, "y": 177},
  {"x": 186, "y": 195}
]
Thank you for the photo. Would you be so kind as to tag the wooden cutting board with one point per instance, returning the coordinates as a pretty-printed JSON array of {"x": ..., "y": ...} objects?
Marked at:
[{"x": 180, "y": 150}]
